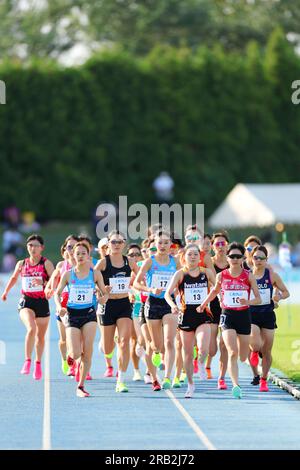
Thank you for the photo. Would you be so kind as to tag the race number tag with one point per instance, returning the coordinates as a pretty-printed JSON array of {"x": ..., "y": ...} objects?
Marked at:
[
  {"x": 27, "y": 285},
  {"x": 232, "y": 298},
  {"x": 81, "y": 295},
  {"x": 120, "y": 285},
  {"x": 195, "y": 296},
  {"x": 161, "y": 280},
  {"x": 265, "y": 296}
]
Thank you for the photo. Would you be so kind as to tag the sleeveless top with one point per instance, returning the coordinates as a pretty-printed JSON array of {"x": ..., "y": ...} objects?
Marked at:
[
  {"x": 159, "y": 275},
  {"x": 215, "y": 304},
  {"x": 118, "y": 278},
  {"x": 29, "y": 273},
  {"x": 81, "y": 291},
  {"x": 265, "y": 288},
  {"x": 193, "y": 290},
  {"x": 233, "y": 289}
]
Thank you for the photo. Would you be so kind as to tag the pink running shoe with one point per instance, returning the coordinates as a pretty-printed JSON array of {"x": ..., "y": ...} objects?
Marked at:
[
  {"x": 81, "y": 393},
  {"x": 37, "y": 373},
  {"x": 88, "y": 377},
  {"x": 77, "y": 373},
  {"x": 196, "y": 366},
  {"x": 109, "y": 372},
  {"x": 263, "y": 385},
  {"x": 254, "y": 359},
  {"x": 26, "y": 367},
  {"x": 72, "y": 370},
  {"x": 222, "y": 384}
]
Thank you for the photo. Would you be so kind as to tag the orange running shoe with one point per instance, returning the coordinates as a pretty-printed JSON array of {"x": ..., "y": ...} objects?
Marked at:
[{"x": 208, "y": 373}]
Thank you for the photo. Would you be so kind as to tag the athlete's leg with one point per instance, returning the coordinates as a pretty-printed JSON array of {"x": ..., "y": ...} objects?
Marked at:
[
  {"x": 243, "y": 346},
  {"x": 28, "y": 318},
  {"x": 170, "y": 323},
  {"x": 41, "y": 329},
  {"x": 178, "y": 355},
  {"x": 223, "y": 358},
  {"x": 124, "y": 326},
  {"x": 148, "y": 356},
  {"x": 268, "y": 339},
  {"x": 188, "y": 340},
  {"x": 62, "y": 343},
  {"x": 230, "y": 341},
  {"x": 213, "y": 345},
  {"x": 156, "y": 333},
  {"x": 73, "y": 336},
  {"x": 88, "y": 333}
]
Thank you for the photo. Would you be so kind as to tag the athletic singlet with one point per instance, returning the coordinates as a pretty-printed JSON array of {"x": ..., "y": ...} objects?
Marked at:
[
  {"x": 117, "y": 278},
  {"x": 66, "y": 266},
  {"x": 233, "y": 289},
  {"x": 159, "y": 275},
  {"x": 81, "y": 291},
  {"x": 265, "y": 288},
  {"x": 29, "y": 273},
  {"x": 193, "y": 290},
  {"x": 215, "y": 304}
]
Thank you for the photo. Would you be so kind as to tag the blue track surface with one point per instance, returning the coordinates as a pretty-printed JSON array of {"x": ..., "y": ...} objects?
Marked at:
[{"x": 140, "y": 419}]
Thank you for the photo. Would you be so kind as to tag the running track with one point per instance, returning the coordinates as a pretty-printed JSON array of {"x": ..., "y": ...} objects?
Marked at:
[{"x": 48, "y": 415}]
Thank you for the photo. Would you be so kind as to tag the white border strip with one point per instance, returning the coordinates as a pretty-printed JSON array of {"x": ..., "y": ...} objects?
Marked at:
[
  {"x": 47, "y": 413},
  {"x": 197, "y": 430}
]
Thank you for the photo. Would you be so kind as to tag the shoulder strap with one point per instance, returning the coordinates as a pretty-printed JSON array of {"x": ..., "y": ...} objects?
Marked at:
[{"x": 108, "y": 262}]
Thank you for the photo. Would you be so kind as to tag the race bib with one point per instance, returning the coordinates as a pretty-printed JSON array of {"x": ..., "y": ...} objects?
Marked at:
[
  {"x": 120, "y": 285},
  {"x": 81, "y": 295},
  {"x": 265, "y": 296},
  {"x": 161, "y": 280},
  {"x": 27, "y": 285},
  {"x": 232, "y": 298},
  {"x": 195, "y": 295}
]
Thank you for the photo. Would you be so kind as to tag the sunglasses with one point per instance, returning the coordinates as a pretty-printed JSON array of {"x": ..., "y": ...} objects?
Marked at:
[
  {"x": 220, "y": 243},
  {"x": 33, "y": 245},
  {"x": 70, "y": 247},
  {"x": 259, "y": 258},
  {"x": 193, "y": 238},
  {"x": 153, "y": 249},
  {"x": 116, "y": 242},
  {"x": 235, "y": 256},
  {"x": 134, "y": 255},
  {"x": 249, "y": 248}
]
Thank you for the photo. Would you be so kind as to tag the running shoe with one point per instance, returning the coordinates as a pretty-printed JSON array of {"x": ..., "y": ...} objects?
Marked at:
[
  {"x": 121, "y": 387},
  {"x": 166, "y": 383},
  {"x": 190, "y": 391},
  {"x": 109, "y": 372},
  {"x": 26, "y": 367},
  {"x": 156, "y": 359},
  {"x": 254, "y": 359},
  {"x": 147, "y": 379},
  {"x": 202, "y": 372},
  {"x": 255, "y": 380},
  {"x": 196, "y": 366},
  {"x": 195, "y": 352},
  {"x": 88, "y": 376},
  {"x": 156, "y": 386},
  {"x": 222, "y": 384},
  {"x": 139, "y": 351},
  {"x": 183, "y": 377},
  {"x": 176, "y": 383},
  {"x": 263, "y": 385},
  {"x": 208, "y": 373},
  {"x": 37, "y": 373},
  {"x": 64, "y": 367},
  {"x": 72, "y": 370},
  {"x": 81, "y": 393},
  {"x": 236, "y": 392},
  {"x": 137, "y": 376}
]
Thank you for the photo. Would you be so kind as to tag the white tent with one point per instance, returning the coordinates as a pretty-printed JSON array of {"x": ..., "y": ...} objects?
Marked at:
[{"x": 258, "y": 205}]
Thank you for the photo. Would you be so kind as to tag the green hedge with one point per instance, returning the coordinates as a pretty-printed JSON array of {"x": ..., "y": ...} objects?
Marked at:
[{"x": 76, "y": 136}]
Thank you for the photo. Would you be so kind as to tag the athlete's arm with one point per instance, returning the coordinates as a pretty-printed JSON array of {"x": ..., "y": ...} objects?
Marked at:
[
  {"x": 12, "y": 280},
  {"x": 212, "y": 295},
  {"x": 102, "y": 287},
  {"x": 211, "y": 276},
  {"x": 62, "y": 284},
  {"x": 209, "y": 263},
  {"x": 53, "y": 281},
  {"x": 175, "y": 281},
  {"x": 282, "y": 291},
  {"x": 134, "y": 267},
  {"x": 139, "y": 282},
  {"x": 101, "y": 265},
  {"x": 257, "y": 297}
]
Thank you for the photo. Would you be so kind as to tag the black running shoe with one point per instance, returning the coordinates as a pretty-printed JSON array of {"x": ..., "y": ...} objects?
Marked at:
[{"x": 255, "y": 380}]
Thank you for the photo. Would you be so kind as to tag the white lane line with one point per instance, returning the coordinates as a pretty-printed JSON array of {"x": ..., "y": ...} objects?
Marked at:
[
  {"x": 47, "y": 414},
  {"x": 198, "y": 431}
]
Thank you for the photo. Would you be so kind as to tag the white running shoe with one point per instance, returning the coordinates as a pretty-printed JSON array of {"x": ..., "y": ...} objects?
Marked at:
[
  {"x": 147, "y": 379},
  {"x": 202, "y": 371},
  {"x": 190, "y": 391},
  {"x": 139, "y": 351},
  {"x": 137, "y": 376}
]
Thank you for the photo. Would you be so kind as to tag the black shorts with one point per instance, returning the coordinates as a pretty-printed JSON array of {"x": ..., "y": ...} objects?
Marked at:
[
  {"x": 78, "y": 317},
  {"x": 191, "y": 319},
  {"x": 238, "y": 320},
  {"x": 215, "y": 310},
  {"x": 156, "y": 309},
  {"x": 113, "y": 310},
  {"x": 39, "y": 306},
  {"x": 142, "y": 319},
  {"x": 265, "y": 320}
]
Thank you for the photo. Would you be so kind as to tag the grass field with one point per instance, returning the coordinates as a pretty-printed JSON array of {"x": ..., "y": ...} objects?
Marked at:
[{"x": 286, "y": 350}]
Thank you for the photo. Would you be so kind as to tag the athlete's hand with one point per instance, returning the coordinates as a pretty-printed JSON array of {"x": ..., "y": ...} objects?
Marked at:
[
  {"x": 103, "y": 299},
  {"x": 62, "y": 311},
  {"x": 131, "y": 298},
  {"x": 276, "y": 304},
  {"x": 244, "y": 302},
  {"x": 37, "y": 282},
  {"x": 175, "y": 310},
  {"x": 4, "y": 296},
  {"x": 49, "y": 293},
  {"x": 156, "y": 291},
  {"x": 108, "y": 289},
  {"x": 201, "y": 308},
  {"x": 276, "y": 298}
]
